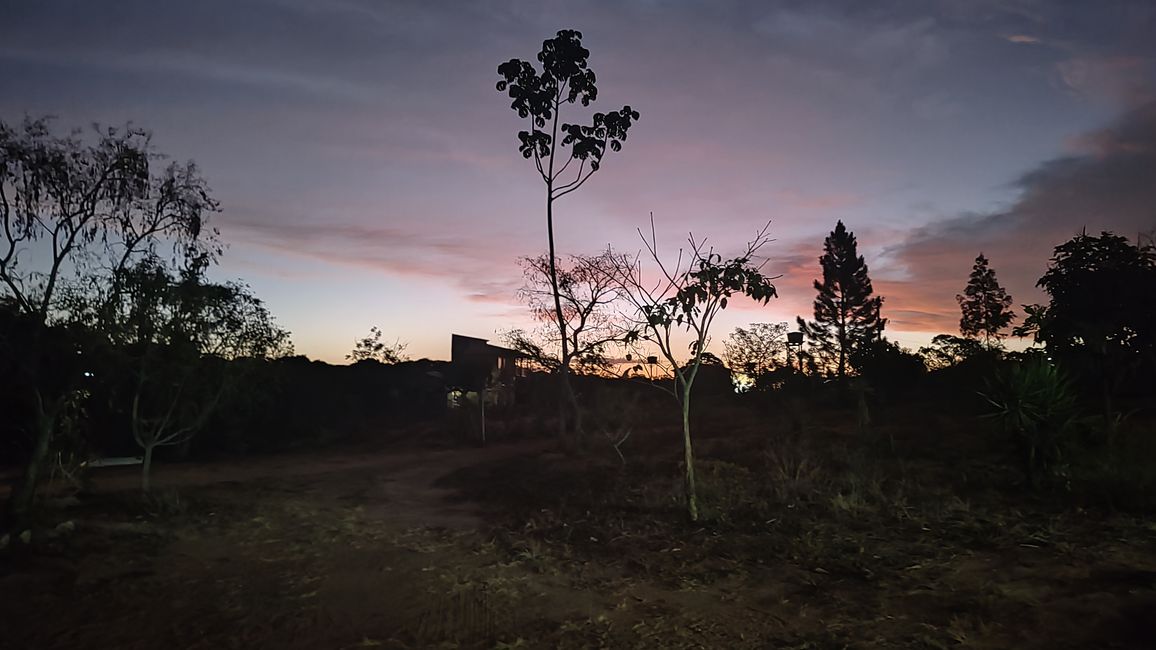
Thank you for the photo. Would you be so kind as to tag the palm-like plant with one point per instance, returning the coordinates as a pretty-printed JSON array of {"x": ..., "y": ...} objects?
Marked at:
[{"x": 1035, "y": 404}]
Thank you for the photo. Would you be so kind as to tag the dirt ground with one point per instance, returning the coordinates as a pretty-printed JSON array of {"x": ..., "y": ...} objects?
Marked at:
[{"x": 516, "y": 545}]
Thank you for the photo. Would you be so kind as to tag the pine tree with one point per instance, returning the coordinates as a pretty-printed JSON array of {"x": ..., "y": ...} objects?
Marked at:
[
  {"x": 846, "y": 312},
  {"x": 984, "y": 304}
]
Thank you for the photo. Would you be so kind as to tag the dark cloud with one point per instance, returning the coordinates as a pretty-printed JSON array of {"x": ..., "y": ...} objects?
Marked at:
[{"x": 1110, "y": 185}]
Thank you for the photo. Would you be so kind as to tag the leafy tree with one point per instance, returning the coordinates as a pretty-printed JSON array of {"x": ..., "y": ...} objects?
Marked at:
[
  {"x": 371, "y": 348},
  {"x": 565, "y": 78},
  {"x": 846, "y": 312},
  {"x": 174, "y": 334},
  {"x": 757, "y": 350},
  {"x": 946, "y": 351},
  {"x": 688, "y": 296},
  {"x": 1101, "y": 318},
  {"x": 886, "y": 365},
  {"x": 89, "y": 210},
  {"x": 985, "y": 304}
]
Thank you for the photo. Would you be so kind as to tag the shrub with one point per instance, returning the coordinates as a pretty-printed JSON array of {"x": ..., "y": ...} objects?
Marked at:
[{"x": 1034, "y": 403}]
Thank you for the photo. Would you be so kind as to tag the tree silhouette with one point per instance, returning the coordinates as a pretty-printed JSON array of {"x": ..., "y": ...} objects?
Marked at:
[
  {"x": 90, "y": 211},
  {"x": 984, "y": 304},
  {"x": 947, "y": 350},
  {"x": 1102, "y": 314},
  {"x": 371, "y": 348},
  {"x": 592, "y": 324},
  {"x": 756, "y": 350},
  {"x": 846, "y": 312},
  {"x": 172, "y": 333},
  {"x": 539, "y": 97},
  {"x": 687, "y": 296}
]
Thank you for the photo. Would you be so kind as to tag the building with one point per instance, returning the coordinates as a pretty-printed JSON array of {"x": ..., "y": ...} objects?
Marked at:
[{"x": 478, "y": 367}]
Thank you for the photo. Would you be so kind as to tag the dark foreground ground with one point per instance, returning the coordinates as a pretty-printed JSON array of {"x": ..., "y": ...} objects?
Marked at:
[{"x": 820, "y": 538}]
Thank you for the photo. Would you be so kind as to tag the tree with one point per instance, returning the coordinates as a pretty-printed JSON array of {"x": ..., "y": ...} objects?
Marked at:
[
  {"x": 984, "y": 304},
  {"x": 687, "y": 296},
  {"x": 591, "y": 323},
  {"x": 1101, "y": 317},
  {"x": 175, "y": 335},
  {"x": 371, "y": 348},
  {"x": 846, "y": 313},
  {"x": 887, "y": 366},
  {"x": 90, "y": 210},
  {"x": 565, "y": 78},
  {"x": 946, "y": 351},
  {"x": 757, "y": 350}
]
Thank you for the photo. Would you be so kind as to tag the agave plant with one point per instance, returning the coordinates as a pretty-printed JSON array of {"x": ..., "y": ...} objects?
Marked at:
[{"x": 1034, "y": 403}]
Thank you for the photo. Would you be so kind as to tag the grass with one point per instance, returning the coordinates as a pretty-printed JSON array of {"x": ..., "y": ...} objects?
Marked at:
[{"x": 816, "y": 536}]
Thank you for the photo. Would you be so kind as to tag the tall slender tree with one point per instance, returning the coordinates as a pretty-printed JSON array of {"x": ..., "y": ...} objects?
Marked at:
[
  {"x": 985, "y": 305},
  {"x": 846, "y": 309},
  {"x": 539, "y": 97}
]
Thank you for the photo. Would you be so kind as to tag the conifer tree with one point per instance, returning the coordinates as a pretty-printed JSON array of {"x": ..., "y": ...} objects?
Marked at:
[
  {"x": 985, "y": 305},
  {"x": 846, "y": 311}
]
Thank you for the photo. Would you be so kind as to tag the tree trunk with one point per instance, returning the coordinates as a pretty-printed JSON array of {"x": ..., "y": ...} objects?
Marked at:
[
  {"x": 566, "y": 397},
  {"x": 688, "y": 458},
  {"x": 843, "y": 344},
  {"x": 566, "y": 391},
  {"x": 576, "y": 431},
  {"x": 146, "y": 468},
  {"x": 23, "y": 495},
  {"x": 482, "y": 406}
]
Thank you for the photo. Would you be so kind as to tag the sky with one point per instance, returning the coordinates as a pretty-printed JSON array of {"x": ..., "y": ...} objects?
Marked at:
[{"x": 368, "y": 169}]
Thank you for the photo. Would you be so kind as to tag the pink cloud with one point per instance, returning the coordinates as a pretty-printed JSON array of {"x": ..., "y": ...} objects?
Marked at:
[{"x": 484, "y": 268}]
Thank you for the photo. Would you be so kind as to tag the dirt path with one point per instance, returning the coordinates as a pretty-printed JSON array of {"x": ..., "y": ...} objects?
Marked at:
[
  {"x": 329, "y": 551},
  {"x": 354, "y": 550},
  {"x": 414, "y": 471}
]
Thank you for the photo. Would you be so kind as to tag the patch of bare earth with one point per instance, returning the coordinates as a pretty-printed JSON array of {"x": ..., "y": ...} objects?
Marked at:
[{"x": 515, "y": 546}]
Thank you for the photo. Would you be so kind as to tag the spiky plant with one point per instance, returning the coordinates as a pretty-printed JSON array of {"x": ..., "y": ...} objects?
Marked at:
[{"x": 1034, "y": 403}]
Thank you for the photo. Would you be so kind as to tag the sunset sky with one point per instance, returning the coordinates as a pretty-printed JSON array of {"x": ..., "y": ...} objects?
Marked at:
[{"x": 369, "y": 175}]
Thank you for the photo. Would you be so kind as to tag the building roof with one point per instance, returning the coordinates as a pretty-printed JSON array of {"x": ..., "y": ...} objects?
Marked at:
[{"x": 497, "y": 349}]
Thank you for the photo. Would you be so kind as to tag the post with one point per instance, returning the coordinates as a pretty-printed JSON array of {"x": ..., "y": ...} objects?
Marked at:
[{"x": 482, "y": 405}]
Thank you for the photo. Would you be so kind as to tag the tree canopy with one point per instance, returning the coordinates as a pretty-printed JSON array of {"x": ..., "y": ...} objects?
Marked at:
[
  {"x": 1103, "y": 296},
  {"x": 756, "y": 350},
  {"x": 372, "y": 348},
  {"x": 590, "y": 308}
]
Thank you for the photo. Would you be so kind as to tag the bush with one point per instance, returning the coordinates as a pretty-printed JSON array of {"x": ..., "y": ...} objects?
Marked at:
[{"x": 1034, "y": 403}]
